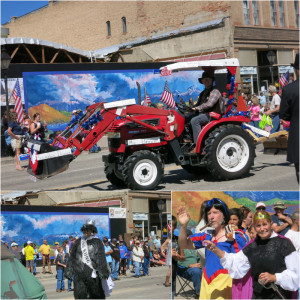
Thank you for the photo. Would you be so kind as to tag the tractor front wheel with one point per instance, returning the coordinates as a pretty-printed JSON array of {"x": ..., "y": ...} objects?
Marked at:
[
  {"x": 229, "y": 152},
  {"x": 143, "y": 170}
]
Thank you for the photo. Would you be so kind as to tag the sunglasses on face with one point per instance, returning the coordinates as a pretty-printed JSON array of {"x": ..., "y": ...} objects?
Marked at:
[{"x": 261, "y": 208}]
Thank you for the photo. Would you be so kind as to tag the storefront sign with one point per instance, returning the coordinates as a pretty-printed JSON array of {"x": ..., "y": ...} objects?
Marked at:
[
  {"x": 140, "y": 217},
  {"x": 284, "y": 69},
  {"x": 248, "y": 70},
  {"x": 117, "y": 213}
]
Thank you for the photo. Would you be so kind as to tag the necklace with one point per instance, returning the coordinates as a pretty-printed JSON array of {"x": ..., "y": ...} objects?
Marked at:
[{"x": 215, "y": 239}]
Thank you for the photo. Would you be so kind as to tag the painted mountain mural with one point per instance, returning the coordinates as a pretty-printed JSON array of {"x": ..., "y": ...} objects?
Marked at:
[
  {"x": 193, "y": 201},
  {"x": 66, "y": 91},
  {"x": 49, "y": 114}
]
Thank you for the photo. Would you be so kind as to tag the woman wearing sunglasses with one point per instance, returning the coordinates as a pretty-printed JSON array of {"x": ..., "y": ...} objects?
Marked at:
[
  {"x": 215, "y": 283},
  {"x": 273, "y": 261}
]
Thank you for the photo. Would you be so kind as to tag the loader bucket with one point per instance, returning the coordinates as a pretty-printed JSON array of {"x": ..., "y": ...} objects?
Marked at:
[{"x": 46, "y": 160}]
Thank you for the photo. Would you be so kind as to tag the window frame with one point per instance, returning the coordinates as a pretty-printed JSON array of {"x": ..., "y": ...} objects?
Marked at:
[
  {"x": 108, "y": 27},
  {"x": 124, "y": 24}
]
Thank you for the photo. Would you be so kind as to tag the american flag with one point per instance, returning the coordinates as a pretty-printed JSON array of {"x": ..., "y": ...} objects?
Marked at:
[
  {"x": 169, "y": 226},
  {"x": 147, "y": 100},
  {"x": 167, "y": 96},
  {"x": 18, "y": 102},
  {"x": 284, "y": 79}
]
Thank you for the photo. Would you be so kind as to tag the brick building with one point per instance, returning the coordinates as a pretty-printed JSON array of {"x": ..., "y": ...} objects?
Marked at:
[{"x": 144, "y": 31}]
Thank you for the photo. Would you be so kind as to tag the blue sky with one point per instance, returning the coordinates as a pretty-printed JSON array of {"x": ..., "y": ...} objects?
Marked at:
[{"x": 18, "y": 8}]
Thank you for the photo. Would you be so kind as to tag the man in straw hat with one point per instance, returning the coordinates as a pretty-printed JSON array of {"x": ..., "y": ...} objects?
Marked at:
[
  {"x": 281, "y": 222},
  {"x": 289, "y": 111}
]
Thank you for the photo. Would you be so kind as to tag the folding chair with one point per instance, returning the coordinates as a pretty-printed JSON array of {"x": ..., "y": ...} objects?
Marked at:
[{"x": 186, "y": 287}]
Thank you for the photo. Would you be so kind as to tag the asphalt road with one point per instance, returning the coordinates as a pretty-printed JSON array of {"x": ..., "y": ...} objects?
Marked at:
[
  {"x": 270, "y": 172},
  {"x": 148, "y": 287}
]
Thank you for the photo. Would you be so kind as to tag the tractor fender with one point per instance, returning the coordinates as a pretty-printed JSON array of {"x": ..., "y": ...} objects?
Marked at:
[{"x": 215, "y": 123}]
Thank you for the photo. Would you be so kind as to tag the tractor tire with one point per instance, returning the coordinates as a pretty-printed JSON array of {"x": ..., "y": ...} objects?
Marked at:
[
  {"x": 143, "y": 170},
  {"x": 229, "y": 152},
  {"x": 194, "y": 169},
  {"x": 112, "y": 177}
]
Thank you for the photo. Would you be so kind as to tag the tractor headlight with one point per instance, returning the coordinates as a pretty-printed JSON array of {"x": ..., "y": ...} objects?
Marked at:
[{"x": 114, "y": 135}]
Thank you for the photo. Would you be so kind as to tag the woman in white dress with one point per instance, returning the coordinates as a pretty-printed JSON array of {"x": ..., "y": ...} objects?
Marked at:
[{"x": 272, "y": 258}]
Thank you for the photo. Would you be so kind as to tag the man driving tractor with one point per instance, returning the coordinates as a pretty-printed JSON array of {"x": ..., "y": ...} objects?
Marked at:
[{"x": 210, "y": 100}]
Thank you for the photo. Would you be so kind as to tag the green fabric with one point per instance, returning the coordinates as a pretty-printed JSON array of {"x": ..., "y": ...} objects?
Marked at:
[
  {"x": 266, "y": 120},
  {"x": 190, "y": 258},
  {"x": 23, "y": 284}
]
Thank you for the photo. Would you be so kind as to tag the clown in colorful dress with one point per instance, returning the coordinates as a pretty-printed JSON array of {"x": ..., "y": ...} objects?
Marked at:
[{"x": 216, "y": 282}]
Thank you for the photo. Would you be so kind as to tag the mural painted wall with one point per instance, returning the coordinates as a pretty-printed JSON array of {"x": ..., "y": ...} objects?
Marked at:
[
  {"x": 21, "y": 226},
  {"x": 193, "y": 200},
  {"x": 55, "y": 95}
]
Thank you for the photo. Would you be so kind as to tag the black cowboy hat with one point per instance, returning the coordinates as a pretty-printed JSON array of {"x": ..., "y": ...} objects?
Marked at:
[
  {"x": 205, "y": 74},
  {"x": 296, "y": 63}
]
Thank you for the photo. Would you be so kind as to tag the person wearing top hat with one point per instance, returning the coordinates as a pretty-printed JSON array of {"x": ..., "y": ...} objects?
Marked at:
[
  {"x": 289, "y": 111},
  {"x": 281, "y": 222},
  {"x": 210, "y": 100}
]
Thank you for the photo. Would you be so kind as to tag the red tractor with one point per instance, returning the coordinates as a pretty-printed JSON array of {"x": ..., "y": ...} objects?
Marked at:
[{"x": 142, "y": 140}]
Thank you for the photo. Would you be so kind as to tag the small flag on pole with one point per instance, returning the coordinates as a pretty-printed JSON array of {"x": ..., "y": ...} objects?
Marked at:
[
  {"x": 18, "y": 102},
  {"x": 285, "y": 79},
  {"x": 147, "y": 100},
  {"x": 167, "y": 96}
]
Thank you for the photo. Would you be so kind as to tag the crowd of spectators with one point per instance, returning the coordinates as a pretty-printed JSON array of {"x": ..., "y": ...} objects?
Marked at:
[{"x": 240, "y": 230}]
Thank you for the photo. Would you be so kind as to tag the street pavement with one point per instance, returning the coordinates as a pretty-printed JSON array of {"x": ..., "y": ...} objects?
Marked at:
[
  {"x": 128, "y": 287},
  {"x": 86, "y": 173}
]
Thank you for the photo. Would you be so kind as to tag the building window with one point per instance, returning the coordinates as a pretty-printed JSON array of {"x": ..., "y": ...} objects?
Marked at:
[
  {"x": 246, "y": 12},
  {"x": 255, "y": 12},
  {"x": 281, "y": 13},
  {"x": 108, "y": 28},
  {"x": 124, "y": 24},
  {"x": 296, "y": 6},
  {"x": 273, "y": 13}
]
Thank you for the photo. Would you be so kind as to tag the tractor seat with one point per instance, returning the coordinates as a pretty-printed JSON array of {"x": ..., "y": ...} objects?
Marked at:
[{"x": 215, "y": 116}]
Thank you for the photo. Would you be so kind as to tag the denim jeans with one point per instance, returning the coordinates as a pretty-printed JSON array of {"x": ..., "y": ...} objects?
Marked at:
[
  {"x": 70, "y": 283},
  {"x": 115, "y": 268},
  {"x": 60, "y": 280},
  {"x": 137, "y": 268},
  {"x": 34, "y": 267},
  {"x": 146, "y": 266},
  {"x": 94, "y": 148},
  {"x": 276, "y": 124},
  {"x": 193, "y": 274},
  {"x": 128, "y": 263}
]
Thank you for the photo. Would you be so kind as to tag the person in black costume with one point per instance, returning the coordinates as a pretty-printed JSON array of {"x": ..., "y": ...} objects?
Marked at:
[
  {"x": 87, "y": 263},
  {"x": 273, "y": 261}
]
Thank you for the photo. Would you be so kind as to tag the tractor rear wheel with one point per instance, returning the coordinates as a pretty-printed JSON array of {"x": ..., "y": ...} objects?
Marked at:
[
  {"x": 112, "y": 177},
  {"x": 143, "y": 170},
  {"x": 229, "y": 152}
]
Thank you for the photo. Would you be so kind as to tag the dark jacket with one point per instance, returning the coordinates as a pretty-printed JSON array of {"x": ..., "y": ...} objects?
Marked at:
[
  {"x": 289, "y": 111},
  {"x": 146, "y": 250},
  {"x": 116, "y": 252}
]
